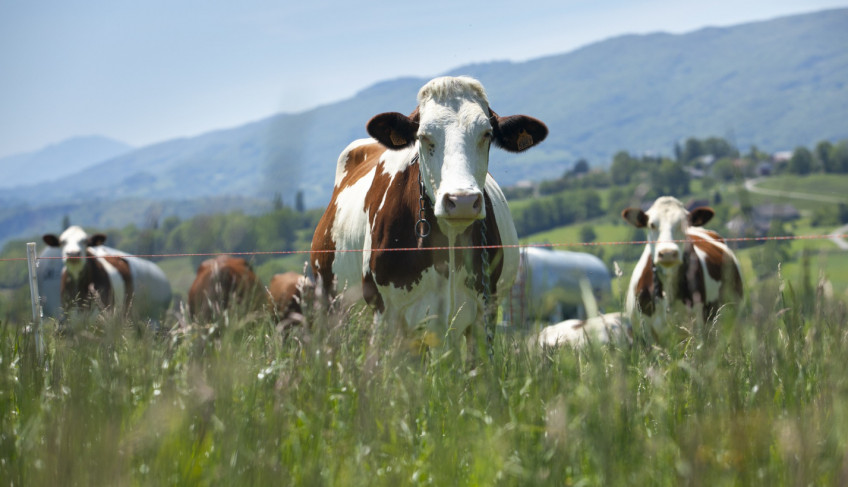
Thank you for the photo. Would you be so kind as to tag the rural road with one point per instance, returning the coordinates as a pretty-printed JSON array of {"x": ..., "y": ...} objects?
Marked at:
[{"x": 835, "y": 236}]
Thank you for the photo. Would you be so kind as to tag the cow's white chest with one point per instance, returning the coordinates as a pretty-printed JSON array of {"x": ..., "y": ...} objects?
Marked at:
[{"x": 436, "y": 303}]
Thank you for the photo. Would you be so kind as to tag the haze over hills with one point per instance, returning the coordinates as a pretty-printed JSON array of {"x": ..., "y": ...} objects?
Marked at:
[
  {"x": 58, "y": 160},
  {"x": 775, "y": 84}
]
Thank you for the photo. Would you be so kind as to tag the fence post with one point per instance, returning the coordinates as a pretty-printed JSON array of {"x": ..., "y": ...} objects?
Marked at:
[{"x": 36, "y": 304}]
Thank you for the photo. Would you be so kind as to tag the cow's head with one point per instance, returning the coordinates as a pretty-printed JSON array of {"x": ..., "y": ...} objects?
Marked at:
[
  {"x": 73, "y": 243},
  {"x": 666, "y": 222},
  {"x": 453, "y": 128}
]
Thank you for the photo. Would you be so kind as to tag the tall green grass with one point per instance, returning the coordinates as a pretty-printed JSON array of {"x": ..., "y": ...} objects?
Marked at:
[{"x": 759, "y": 397}]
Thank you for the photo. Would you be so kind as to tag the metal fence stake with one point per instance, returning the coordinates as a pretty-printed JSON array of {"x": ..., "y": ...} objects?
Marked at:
[{"x": 36, "y": 304}]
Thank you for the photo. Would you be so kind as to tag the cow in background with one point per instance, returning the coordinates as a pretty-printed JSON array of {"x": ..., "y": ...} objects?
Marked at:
[
  {"x": 224, "y": 283},
  {"x": 682, "y": 263},
  {"x": 94, "y": 276},
  {"x": 286, "y": 293}
]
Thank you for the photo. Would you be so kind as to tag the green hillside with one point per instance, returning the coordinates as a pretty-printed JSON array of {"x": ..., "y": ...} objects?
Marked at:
[{"x": 775, "y": 84}]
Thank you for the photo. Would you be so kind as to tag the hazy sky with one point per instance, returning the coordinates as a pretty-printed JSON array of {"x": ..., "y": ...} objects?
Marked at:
[{"x": 143, "y": 72}]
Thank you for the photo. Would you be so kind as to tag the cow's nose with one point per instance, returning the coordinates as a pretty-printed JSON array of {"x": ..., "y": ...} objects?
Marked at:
[
  {"x": 463, "y": 206},
  {"x": 668, "y": 255}
]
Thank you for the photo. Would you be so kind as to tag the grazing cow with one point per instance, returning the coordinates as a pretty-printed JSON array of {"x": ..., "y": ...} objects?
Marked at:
[
  {"x": 422, "y": 181},
  {"x": 96, "y": 276},
  {"x": 224, "y": 283},
  {"x": 682, "y": 263},
  {"x": 285, "y": 290}
]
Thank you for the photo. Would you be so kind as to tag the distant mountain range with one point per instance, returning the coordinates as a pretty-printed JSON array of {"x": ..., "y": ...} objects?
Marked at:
[
  {"x": 57, "y": 161},
  {"x": 775, "y": 84}
]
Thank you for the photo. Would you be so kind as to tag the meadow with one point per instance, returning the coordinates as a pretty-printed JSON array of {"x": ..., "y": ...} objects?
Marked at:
[{"x": 758, "y": 397}]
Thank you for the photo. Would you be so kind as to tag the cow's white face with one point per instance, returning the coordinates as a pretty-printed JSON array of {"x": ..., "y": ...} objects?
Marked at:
[
  {"x": 73, "y": 243},
  {"x": 454, "y": 137},
  {"x": 454, "y": 128},
  {"x": 666, "y": 222}
]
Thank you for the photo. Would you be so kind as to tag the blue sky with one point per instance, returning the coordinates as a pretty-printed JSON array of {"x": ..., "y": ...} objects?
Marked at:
[{"x": 144, "y": 72}]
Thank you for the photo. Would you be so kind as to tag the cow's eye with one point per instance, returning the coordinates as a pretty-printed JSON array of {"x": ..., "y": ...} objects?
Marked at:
[
  {"x": 487, "y": 135},
  {"x": 653, "y": 226}
]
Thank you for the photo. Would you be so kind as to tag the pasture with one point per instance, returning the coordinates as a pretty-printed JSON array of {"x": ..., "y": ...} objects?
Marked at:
[{"x": 759, "y": 397}]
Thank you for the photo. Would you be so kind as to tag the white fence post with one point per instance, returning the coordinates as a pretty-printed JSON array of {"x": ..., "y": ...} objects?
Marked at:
[{"x": 36, "y": 304}]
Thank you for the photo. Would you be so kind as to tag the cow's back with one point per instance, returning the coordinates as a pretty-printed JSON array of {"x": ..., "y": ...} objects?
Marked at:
[
  {"x": 721, "y": 270},
  {"x": 221, "y": 280},
  {"x": 151, "y": 289},
  {"x": 340, "y": 235}
]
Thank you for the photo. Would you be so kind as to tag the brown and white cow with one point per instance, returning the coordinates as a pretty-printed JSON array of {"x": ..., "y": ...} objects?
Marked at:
[
  {"x": 376, "y": 203},
  {"x": 285, "y": 290},
  {"x": 682, "y": 263},
  {"x": 223, "y": 283},
  {"x": 97, "y": 276}
]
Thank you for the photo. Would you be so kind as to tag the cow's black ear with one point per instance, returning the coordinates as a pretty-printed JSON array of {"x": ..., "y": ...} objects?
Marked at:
[
  {"x": 96, "y": 239},
  {"x": 635, "y": 217},
  {"x": 393, "y": 130},
  {"x": 51, "y": 240},
  {"x": 700, "y": 216},
  {"x": 517, "y": 133}
]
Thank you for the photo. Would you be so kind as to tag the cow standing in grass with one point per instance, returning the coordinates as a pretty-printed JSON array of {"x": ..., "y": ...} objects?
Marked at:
[
  {"x": 682, "y": 263},
  {"x": 224, "y": 283},
  {"x": 422, "y": 181},
  {"x": 94, "y": 276}
]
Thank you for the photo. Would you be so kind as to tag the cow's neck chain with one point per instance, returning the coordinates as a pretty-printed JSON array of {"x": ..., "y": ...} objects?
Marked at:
[
  {"x": 488, "y": 321},
  {"x": 422, "y": 226},
  {"x": 422, "y": 230}
]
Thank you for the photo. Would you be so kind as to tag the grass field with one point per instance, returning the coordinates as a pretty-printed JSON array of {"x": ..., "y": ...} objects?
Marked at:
[{"x": 760, "y": 398}]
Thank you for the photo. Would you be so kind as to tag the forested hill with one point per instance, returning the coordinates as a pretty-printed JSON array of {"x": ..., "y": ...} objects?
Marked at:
[{"x": 776, "y": 84}]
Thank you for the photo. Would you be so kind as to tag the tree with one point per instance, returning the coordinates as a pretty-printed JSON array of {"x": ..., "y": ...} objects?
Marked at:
[
  {"x": 822, "y": 151},
  {"x": 581, "y": 167},
  {"x": 724, "y": 170},
  {"x": 277, "y": 202},
  {"x": 801, "y": 161},
  {"x": 692, "y": 148},
  {"x": 839, "y": 157},
  {"x": 671, "y": 179},
  {"x": 719, "y": 148},
  {"x": 622, "y": 168},
  {"x": 299, "y": 205},
  {"x": 587, "y": 234}
]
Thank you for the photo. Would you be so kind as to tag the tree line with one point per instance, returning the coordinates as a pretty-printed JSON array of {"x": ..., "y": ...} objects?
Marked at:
[{"x": 573, "y": 198}]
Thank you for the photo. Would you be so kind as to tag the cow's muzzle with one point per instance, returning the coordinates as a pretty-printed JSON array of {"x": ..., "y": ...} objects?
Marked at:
[
  {"x": 668, "y": 257},
  {"x": 462, "y": 209}
]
